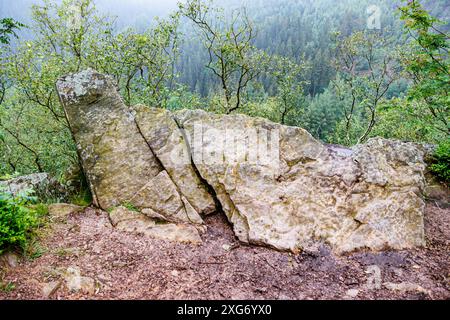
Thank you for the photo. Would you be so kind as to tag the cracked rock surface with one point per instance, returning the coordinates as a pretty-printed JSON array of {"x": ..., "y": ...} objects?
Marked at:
[{"x": 308, "y": 194}]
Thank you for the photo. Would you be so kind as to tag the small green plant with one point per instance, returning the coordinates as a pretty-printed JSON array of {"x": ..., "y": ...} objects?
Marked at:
[
  {"x": 41, "y": 210},
  {"x": 17, "y": 220},
  {"x": 130, "y": 206},
  {"x": 62, "y": 252},
  {"x": 161, "y": 222},
  {"x": 83, "y": 198},
  {"x": 7, "y": 287},
  {"x": 127, "y": 205},
  {"x": 7, "y": 177},
  {"x": 440, "y": 166},
  {"x": 32, "y": 250}
]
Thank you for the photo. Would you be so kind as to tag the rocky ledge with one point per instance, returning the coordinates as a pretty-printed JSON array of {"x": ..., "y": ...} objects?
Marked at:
[{"x": 160, "y": 173}]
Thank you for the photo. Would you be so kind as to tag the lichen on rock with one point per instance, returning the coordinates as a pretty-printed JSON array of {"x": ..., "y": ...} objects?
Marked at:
[{"x": 277, "y": 185}]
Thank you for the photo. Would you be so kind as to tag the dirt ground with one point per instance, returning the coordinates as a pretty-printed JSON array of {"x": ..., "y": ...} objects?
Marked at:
[{"x": 125, "y": 266}]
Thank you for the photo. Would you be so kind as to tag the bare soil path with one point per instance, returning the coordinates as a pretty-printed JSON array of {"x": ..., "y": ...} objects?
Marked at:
[{"x": 117, "y": 265}]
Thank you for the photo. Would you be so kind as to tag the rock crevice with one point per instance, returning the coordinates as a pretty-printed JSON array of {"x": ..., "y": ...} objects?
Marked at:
[
  {"x": 204, "y": 182},
  {"x": 159, "y": 215}
]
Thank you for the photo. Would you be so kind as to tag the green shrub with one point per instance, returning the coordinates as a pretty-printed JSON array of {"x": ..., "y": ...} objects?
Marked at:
[
  {"x": 441, "y": 162},
  {"x": 16, "y": 220},
  {"x": 5, "y": 177}
]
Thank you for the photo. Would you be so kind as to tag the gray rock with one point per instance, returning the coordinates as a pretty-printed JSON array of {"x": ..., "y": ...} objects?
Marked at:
[
  {"x": 351, "y": 294},
  {"x": 61, "y": 211},
  {"x": 49, "y": 289},
  {"x": 307, "y": 193},
  {"x": 134, "y": 222},
  {"x": 9, "y": 260},
  {"x": 40, "y": 184},
  {"x": 118, "y": 158},
  {"x": 277, "y": 185},
  {"x": 75, "y": 282}
]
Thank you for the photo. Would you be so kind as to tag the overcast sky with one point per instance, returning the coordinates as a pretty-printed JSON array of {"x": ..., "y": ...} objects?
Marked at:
[
  {"x": 124, "y": 9},
  {"x": 128, "y": 12}
]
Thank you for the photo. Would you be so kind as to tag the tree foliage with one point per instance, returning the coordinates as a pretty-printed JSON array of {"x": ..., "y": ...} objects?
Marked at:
[
  {"x": 232, "y": 56},
  {"x": 8, "y": 28},
  {"x": 365, "y": 73},
  {"x": 16, "y": 221},
  {"x": 427, "y": 63},
  {"x": 68, "y": 37},
  {"x": 441, "y": 162}
]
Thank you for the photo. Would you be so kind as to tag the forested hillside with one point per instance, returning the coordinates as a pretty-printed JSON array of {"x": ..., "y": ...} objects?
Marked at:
[
  {"x": 302, "y": 30},
  {"x": 314, "y": 64}
]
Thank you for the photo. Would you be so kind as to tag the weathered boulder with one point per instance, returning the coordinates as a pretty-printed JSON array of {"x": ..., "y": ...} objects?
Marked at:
[
  {"x": 277, "y": 185},
  {"x": 9, "y": 260},
  {"x": 41, "y": 184},
  {"x": 24, "y": 183},
  {"x": 134, "y": 222},
  {"x": 75, "y": 282},
  {"x": 168, "y": 143},
  {"x": 368, "y": 197},
  {"x": 61, "y": 211},
  {"x": 120, "y": 163}
]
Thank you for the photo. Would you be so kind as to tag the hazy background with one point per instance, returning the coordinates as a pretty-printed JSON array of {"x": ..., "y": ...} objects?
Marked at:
[
  {"x": 129, "y": 12},
  {"x": 294, "y": 28}
]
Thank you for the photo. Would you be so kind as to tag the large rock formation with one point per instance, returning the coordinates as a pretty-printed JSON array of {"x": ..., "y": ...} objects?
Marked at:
[
  {"x": 277, "y": 185},
  {"x": 368, "y": 197},
  {"x": 125, "y": 163}
]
